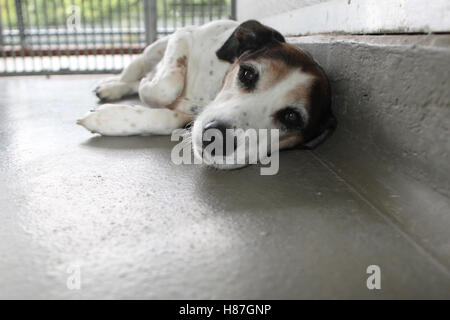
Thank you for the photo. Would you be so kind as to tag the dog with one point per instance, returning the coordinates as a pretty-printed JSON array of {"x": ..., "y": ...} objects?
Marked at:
[{"x": 221, "y": 75}]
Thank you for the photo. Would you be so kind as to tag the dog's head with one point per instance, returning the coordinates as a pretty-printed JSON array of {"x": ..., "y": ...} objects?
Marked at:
[{"x": 270, "y": 85}]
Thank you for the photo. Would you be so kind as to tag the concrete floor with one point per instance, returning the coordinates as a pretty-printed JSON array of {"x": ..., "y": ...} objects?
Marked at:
[{"x": 141, "y": 227}]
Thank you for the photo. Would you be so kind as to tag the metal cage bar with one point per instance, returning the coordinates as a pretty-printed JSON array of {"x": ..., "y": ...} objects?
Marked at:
[
  {"x": 150, "y": 20},
  {"x": 91, "y": 36}
]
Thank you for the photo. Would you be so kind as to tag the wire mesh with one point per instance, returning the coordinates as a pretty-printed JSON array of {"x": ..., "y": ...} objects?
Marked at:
[{"x": 91, "y": 36}]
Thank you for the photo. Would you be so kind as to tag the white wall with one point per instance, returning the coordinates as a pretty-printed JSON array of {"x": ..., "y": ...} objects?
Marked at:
[
  {"x": 303, "y": 17},
  {"x": 258, "y": 9}
]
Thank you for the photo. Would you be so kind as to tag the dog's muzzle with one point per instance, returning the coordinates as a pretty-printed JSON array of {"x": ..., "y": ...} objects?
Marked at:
[{"x": 227, "y": 137}]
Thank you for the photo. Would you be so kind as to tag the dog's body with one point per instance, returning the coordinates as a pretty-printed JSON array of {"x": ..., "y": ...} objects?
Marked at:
[
  {"x": 222, "y": 75},
  {"x": 179, "y": 73}
]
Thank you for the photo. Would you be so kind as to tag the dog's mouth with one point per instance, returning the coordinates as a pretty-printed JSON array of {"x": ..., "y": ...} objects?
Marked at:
[{"x": 217, "y": 157}]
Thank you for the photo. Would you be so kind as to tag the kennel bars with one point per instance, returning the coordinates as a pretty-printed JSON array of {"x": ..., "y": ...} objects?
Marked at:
[{"x": 91, "y": 36}]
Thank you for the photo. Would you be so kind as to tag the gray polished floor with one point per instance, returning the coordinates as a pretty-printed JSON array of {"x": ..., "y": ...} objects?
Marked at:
[{"x": 139, "y": 226}]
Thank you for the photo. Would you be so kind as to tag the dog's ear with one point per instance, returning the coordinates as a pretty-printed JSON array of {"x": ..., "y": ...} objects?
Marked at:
[
  {"x": 326, "y": 129},
  {"x": 323, "y": 121},
  {"x": 248, "y": 36}
]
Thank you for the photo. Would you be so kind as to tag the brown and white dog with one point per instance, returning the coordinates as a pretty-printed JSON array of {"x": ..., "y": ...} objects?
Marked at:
[{"x": 220, "y": 75}]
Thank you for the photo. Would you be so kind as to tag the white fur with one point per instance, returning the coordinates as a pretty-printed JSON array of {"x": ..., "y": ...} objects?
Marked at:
[
  {"x": 159, "y": 79},
  {"x": 123, "y": 120}
]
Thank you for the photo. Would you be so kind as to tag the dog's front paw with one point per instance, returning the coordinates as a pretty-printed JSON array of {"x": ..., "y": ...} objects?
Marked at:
[
  {"x": 113, "y": 120},
  {"x": 112, "y": 89}
]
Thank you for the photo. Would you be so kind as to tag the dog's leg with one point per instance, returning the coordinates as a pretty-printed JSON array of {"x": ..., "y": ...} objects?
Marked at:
[
  {"x": 123, "y": 120},
  {"x": 168, "y": 82},
  {"x": 127, "y": 82}
]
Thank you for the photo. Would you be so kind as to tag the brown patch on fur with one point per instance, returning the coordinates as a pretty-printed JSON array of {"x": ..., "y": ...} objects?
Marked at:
[
  {"x": 174, "y": 104},
  {"x": 178, "y": 101},
  {"x": 288, "y": 54},
  {"x": 133, "y": 125},
  {"x": 139, "y": 111},
  {"x": 185, "y": 117},
  {"x": 228, "y": 79},
  {"x": 276, "y": 72},
  {"x": 182, "y": 62},
  {"x": 285, "y": 55},
  {"x": 301, "y": 93},
  {"x": 290, "y": 141}
]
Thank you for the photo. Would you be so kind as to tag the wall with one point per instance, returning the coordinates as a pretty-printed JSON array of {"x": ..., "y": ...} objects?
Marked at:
[
  {"x": 391, "y": 99},
  {"x": 251, "y": 9},
  {"x": 349, "y": 16}
]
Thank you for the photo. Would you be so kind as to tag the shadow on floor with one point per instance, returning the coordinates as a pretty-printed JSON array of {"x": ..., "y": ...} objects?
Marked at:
[{"x": 129, "y": 143}]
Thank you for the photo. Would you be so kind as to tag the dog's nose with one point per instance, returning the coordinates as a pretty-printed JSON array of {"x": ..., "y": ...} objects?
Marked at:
[{"x": 222, "y": 127}]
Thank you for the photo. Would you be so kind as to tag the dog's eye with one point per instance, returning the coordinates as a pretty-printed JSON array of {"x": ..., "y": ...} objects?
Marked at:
[
  {"x": 290, "y": 117},
  {"x": 248, "y": 77}
]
